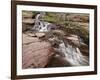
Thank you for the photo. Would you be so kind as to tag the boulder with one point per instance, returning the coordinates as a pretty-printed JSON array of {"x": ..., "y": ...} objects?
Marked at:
[
  {"x": 40, "y": 34},
  {"x": 61, "y": 32},
  {"x": 28, "y": 21},
  {"x": 28, "y": 39},
  {"x": 74, "y": 39},
  {"x": 35, "y": 53}
]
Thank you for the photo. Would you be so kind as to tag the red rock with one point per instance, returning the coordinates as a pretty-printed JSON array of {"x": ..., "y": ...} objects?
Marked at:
[
  {"x": 35, "y": 54},
  {"x": 40, "y": 34},
  {"x": 74, "y": 39}
]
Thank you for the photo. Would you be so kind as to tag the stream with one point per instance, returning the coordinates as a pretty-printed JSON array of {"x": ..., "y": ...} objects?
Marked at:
[{"x": 72, "y": 55}]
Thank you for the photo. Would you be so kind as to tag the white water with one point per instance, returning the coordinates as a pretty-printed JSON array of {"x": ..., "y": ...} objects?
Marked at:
[
  {"x": 45, "y": 27},
  {"x": 73, "y": 55},
  {"x": 40, "y": 25},
  {"x": 37, "y": 16}
]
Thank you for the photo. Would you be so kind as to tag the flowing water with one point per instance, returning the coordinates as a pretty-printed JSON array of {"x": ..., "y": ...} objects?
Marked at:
[
  {"x": 71, "y": 54},
  {"x": 40, "y": 25}
]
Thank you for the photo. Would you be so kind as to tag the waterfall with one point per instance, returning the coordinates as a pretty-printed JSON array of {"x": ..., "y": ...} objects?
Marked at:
[
  {"x": 37, "y": 16},
  {"x": 44, "y": 28},
  {"x": 40, "y": 25},
  {"x": 73, "y": 55}
]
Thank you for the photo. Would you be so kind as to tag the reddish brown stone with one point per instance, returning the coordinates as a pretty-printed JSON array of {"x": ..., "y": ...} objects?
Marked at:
[{"x": 36, "y": 53}]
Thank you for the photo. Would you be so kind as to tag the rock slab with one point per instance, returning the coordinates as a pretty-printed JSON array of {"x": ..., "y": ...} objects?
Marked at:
[{"x": 36, "y": 53}]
